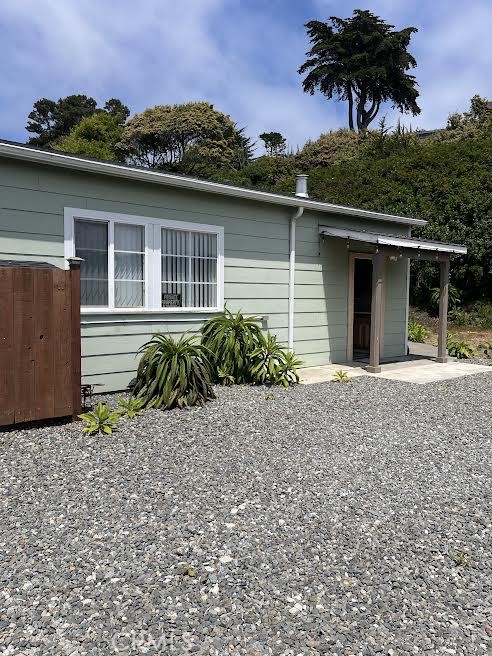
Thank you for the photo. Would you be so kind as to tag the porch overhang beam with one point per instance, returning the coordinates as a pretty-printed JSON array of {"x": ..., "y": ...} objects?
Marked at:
[{"x": 405, "y": 246}]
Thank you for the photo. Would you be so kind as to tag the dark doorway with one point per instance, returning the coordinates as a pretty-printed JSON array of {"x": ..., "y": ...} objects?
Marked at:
[{"x": 362, "y": 307}]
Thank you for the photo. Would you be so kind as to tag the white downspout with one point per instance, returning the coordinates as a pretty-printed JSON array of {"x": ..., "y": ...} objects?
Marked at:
[
  {"x": 301, "y": 192},
  {"x": 292, "y": 273}
]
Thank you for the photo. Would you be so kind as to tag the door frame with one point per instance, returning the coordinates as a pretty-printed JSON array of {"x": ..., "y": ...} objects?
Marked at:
[{"x": 350, "y": 305}]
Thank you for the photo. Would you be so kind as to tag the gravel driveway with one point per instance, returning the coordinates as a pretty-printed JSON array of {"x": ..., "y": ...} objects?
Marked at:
[{"x": 325, "y": 519}]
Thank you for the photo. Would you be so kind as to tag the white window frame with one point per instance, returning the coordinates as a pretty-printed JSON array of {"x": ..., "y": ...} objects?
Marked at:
[{"x": 153, "y": 260}]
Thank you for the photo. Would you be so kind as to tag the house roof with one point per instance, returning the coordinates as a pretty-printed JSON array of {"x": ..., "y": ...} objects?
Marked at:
[
  {"x": 75, "y": 162},
  {"x": 393, "y": 240}
]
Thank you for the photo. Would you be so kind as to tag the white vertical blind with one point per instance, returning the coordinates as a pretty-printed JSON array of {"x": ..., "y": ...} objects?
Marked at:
[
  {"x": 129, "y": 257},
  {"x": 189, "y": 268},
  {"x": 91, "y": 244}
]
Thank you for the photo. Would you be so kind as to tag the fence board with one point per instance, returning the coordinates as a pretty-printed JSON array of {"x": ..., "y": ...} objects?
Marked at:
[
  {"x": 7, "y": 389},
  {"x": 23, "y": 344},
  {"x": 62, "y": 310},
  {"x": 43, "y": 344}
]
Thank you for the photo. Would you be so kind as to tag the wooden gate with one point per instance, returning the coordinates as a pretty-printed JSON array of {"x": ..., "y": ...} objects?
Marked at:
[{"x": 39, "y": 342}]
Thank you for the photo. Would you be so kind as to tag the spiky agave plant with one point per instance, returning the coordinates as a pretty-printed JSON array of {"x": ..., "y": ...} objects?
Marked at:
[
  {"x": 230, "y": 339},
  {"x": 269, "y": 363},
  {"x": 174, "y": 373},
  {"x": 287, "y": 370}
]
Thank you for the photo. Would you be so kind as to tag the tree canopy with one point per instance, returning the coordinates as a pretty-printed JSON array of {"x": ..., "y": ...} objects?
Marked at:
[
  {"x": 275, "y": 144},
  {"x": 187, "y": 138},
  {"x": 363, "y": 61},
  {"x": 95, "y": 136},
  {"x": 52, "y": 119}
]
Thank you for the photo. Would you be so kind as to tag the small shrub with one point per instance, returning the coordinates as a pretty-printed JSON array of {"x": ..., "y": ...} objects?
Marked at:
[
  {"x": 100, "y": 420},
  {"x": 478, "y": 315},
  {"x": 417, "y": 332},
  {"x": 341, "y": 376},
  {"x": 287, "y": 370},
  {"x": 174, "y": 373},
  {"x": 270, "y": 364},
  {"x": 454, "y": 297},
  {"x": 229, "y": 340},
  {"x": 224, "y": 377},
  {"x": 460, "y": 559},
  {"x": 487, "y": 349},
  {"x": 460, "y": 349},
  {"x": 131, "y": 407}
]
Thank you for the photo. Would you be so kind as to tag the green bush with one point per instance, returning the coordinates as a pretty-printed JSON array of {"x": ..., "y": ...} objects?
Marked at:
[
  {"x": 454, "y": 297},
  {"x": 478, "y": 315},
  {"x": 341, "y": 376},
  {"x": 329, "y": 148},
  {"x": 131, "y": 407},
  {"x": 270, "y": 364},
  {"x": 460, "y": 349},
  {"x": 240, "y": 353},
  {"x": 230, "y": 339},
  {"x": 100, "y": 420},
  {"x": 417, "y": 332},
  {"x": 174, "y": 373}
]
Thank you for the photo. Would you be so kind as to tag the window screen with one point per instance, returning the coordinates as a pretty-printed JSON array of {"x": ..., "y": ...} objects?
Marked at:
[{"x": 189, "y": 269}]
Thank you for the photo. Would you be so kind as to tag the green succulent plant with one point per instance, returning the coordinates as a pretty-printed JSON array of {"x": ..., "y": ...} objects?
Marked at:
[
  {"x": 100, "y": 420},
  {"x": 341, "y": 376},
  {"x": 417, "y": 332},
  {"x": 459, "y": 348},
  {"x": 230, "y": 339},
  {"x": 174, "y": 373},
  {"x": 130, "y": 407}
]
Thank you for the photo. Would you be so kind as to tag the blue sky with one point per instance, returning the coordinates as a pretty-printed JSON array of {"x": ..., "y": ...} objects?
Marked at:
[{"x": 242, "y": 55}]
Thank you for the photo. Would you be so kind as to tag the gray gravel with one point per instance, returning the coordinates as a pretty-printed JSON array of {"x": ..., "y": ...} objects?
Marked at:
[{"x": 325, "y": 519}]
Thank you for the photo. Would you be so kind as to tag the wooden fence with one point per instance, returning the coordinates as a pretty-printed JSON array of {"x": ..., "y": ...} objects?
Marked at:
[{"x": 39, "y": 342}]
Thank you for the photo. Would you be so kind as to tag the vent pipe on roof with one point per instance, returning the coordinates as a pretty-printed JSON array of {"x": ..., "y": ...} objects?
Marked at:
[{"x": 301, "y": 186}]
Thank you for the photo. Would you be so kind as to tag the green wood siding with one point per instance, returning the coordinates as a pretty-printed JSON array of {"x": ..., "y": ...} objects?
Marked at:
[{"x": 32, "y": 201}]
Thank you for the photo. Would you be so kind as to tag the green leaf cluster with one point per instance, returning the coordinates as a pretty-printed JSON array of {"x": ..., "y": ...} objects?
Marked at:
[
  {"x": 50, "y": 120},
  {"x": 174, "y": 373},
  {"x": 230, "y": 339},
  {"x": 417, "y": 332},
  {"x": 95, "y": 136},
  {"x": 459, "y": 348},
  {"x": 100, "y": 420},
  {"x": 269, "y": 364},
  {"x": 241, "y": 353}
]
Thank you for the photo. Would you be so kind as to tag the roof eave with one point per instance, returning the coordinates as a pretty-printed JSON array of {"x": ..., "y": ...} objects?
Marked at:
[
  {"x": 119, "y": 170},
  {"x": 394, "y": 241}
]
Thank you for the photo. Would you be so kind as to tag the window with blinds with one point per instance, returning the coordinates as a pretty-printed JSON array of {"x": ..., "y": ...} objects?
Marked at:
[
  {"x": 148, "y": 265},
  {"x": 91, "y": 244},
  {"x": 189, "y": 269}
]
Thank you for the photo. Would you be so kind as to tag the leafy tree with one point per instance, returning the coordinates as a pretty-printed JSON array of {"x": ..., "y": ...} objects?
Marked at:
[
  {"x": 363, "y": 61},
  {"x": 330, "y": 148},
  {"x": 275, "y": 143},
  {"x": 94, "y": 136},
  {"x": 116, "y": 108},
  {"x": 444, "y": 183},
  {"x": 50, "y": 120},
  {"x": 188, "y": 138}
]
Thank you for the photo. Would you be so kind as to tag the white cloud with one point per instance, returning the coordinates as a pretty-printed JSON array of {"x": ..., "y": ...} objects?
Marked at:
[{"x": 239, "y": 55}]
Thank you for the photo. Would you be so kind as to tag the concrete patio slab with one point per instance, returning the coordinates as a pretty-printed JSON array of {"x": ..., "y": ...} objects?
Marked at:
[{"x": 419, "y": 371}]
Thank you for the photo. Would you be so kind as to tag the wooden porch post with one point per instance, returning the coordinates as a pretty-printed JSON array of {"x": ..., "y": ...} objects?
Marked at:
[
  {"x": 376, "y": 313},
  {"x": 442, "y": 354},
  {"x": 75, "y": 263}
]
